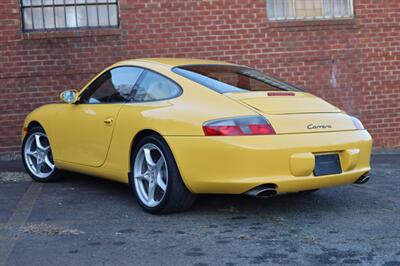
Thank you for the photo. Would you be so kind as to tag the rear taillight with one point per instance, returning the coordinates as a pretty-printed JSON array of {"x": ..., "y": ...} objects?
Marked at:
[
  {"x": 240, "y": 126},
  {"x": 357, "y": 123}
]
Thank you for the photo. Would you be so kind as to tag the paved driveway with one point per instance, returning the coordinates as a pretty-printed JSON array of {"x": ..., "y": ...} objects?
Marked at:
[{"x": 86, "y": 221}]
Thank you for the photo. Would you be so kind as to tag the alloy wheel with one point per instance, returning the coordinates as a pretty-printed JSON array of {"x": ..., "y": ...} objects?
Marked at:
[
  {"x": 38, "y": 156},
  {"x": 150, "y": 175}
]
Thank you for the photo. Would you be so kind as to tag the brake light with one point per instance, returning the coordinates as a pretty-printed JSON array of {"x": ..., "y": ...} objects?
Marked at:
[
  {"x": 241, "y": 126},
  {"x": 281, "y": 94},
  {"x": 357, "y": 123}
]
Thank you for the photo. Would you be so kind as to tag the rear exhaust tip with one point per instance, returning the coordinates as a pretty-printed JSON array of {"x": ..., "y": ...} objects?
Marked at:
[
  {"x": 263, "y": 191},
  {"x": 267, "y": 193},
  {"x": 363, "y": 179}
]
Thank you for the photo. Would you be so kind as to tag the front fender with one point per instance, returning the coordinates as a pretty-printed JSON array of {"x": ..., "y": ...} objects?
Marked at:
[{"x": 45, "y": 116}]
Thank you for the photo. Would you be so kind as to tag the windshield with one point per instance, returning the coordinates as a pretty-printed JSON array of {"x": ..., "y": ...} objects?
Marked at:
[{"x": 226, "y": 78}]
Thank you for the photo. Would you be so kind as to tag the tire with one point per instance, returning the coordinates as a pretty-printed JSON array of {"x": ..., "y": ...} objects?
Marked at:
[
  {"x": 155, "y": 178},
  {"x": 36, "y": 152}
]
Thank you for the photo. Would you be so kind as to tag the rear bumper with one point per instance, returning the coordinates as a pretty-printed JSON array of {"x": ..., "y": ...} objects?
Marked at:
[{"x": 234, "y": 165}]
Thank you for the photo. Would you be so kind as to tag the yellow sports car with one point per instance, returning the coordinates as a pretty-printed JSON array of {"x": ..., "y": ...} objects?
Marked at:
[{"x": 174, "y": 128}]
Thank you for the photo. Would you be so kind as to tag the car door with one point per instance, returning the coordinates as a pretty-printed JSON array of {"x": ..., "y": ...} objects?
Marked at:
[{"x": 85, "y": 134}]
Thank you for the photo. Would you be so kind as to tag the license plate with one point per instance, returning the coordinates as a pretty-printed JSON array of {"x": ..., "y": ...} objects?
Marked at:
[{"x": 327, "y": 164}]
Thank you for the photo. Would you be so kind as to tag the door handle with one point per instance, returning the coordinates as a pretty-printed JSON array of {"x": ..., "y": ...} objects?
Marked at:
[{"x": 108, "y": 121}]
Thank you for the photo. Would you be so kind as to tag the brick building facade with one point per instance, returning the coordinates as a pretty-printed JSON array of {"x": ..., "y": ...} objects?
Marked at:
[{"x": 353, "y": 62}]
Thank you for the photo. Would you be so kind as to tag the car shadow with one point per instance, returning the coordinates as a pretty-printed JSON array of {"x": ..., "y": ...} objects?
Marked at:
[{"x": 220, "y": 203}]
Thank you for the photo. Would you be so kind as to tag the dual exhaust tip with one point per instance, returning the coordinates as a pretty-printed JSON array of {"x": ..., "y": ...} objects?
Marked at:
[{"x": 269, "y": 190}]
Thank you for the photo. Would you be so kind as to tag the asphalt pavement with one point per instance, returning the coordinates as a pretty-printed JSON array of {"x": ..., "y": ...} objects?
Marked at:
[{"x": 87, "y": 221}]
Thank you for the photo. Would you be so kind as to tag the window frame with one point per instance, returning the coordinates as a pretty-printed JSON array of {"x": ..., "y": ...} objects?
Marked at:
[
  {"x": 88, "y": 90},
  {"x": 65, "y": 28},
  {"x": 314, "y": 18},
  {"x": 143, "y": 75},
  {"x": 240, "y": 90}
]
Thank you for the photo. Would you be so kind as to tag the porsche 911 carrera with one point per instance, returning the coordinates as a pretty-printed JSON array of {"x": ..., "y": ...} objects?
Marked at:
[{"x": 176, "y": 128}]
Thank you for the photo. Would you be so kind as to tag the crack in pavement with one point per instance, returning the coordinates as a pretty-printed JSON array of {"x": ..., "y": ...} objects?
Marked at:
[{"x": 19, "y": 216}]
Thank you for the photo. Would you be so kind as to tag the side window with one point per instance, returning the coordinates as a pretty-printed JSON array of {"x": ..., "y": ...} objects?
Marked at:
[
  {"x": 155, "y": 87},
  {"x": 114, "y": 86}
]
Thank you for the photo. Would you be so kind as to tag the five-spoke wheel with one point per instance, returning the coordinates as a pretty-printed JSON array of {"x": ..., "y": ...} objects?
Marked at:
[
  {"x": 37, "y": 156},
  {"x": 150, "y": 175},
  {"x": 155, "y": 178}
]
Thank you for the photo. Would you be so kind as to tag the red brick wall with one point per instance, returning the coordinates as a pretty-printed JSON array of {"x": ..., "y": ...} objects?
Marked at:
[{"x": 353, "y": 63}]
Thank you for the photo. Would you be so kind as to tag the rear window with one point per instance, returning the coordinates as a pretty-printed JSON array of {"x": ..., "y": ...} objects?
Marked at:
[{"x": 225, "y": 78}]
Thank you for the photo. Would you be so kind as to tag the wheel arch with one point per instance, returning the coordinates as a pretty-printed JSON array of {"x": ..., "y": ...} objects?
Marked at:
[
  {"x": 34, "y": 123},
  {"x": 138, "y": 137},
  {"x": 38, "y": 175},
  {"x": 28, "y": 125},
  {"x": 31, "y": 123}
]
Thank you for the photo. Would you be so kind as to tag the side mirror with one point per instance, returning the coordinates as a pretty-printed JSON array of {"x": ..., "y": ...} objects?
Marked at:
[{"x": 69, "y": 96}]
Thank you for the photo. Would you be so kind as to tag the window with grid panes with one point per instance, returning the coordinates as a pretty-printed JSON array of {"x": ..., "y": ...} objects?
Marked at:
[
  {"x": 68, "y": 14},
  {"x": 309, "y": 9}
]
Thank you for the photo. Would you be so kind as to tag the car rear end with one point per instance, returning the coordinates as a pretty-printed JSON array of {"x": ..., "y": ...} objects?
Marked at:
[{"x": 294, "y": 142}]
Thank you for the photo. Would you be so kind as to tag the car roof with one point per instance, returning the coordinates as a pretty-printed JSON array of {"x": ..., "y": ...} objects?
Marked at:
[{"x": 173, "y": 62}]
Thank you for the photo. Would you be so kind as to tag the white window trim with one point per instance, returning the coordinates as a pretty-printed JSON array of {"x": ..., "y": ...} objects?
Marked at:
[
  {"x": 295, "y": 18},
  {"x": 52, "y": 5}
]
